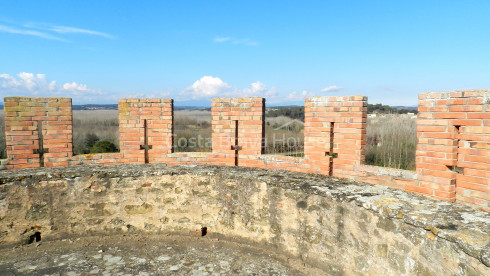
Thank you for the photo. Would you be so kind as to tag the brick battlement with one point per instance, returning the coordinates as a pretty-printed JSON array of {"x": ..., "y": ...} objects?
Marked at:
[
  {"x": 29, "y": 119},
  {"x": 453, "y": 153}
]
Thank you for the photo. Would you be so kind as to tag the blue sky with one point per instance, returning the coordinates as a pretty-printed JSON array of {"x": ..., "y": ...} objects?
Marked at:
[{"x": 100, "y": 51}]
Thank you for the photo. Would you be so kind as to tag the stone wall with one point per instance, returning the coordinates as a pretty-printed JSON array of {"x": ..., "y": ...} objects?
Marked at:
[
  {"x": 452, "y": 155},
  {"x": 341, "y": 227}
]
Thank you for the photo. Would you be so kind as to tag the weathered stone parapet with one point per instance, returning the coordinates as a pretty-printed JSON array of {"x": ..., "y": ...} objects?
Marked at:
[
  {"x": 393, "y": 178},
  {"x": 342, "y": 227}
]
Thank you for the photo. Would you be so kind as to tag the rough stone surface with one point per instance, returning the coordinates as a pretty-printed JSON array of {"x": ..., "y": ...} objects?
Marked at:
[
  {"x": 145, "y": 255},
  {"x": 337, "y": 226}
]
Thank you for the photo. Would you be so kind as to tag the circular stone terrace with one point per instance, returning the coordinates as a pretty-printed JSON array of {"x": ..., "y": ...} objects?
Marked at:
[{"x": 208, "y": 220}]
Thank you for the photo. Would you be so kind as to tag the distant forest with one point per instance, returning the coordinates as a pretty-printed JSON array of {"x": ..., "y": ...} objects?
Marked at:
[
  {"x": 386, "y": 109},
  {"x": 295, "y": 112},
  {"x": 298, "y": 112}
]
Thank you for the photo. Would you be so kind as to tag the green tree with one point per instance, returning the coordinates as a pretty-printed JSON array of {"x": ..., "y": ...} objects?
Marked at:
[
  {"x": 103, "y": 146},
  {"x": 90, "y": 140}
]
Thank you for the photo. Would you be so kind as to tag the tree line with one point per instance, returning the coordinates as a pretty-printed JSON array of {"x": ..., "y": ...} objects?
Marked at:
[{"x": 298, "y": 112}]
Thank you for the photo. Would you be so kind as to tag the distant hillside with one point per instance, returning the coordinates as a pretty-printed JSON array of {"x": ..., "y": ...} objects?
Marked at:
[
  {"x": 114, "y": 107},
  {"x": 386, "y": 109},
  {"x": 295, "y": 112},
  {"x": 298, "y": 112},
  {"x": 94, "y": 107}
]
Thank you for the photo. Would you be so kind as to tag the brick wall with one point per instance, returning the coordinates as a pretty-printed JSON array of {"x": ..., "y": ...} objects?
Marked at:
[
  {"x": 237, "y": 129},
  {"x": 33, "y": 125},
  {"x": 145, "y": 123},
  {"x": 453, "y": 153},
  {"x": 335, "y": 133},
  {"x": 104, "y": 159}
]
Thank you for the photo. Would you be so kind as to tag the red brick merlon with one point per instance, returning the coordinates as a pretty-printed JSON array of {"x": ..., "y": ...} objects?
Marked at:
[
  {"x": 237, "y": 130},
  {"x": 453, "y": 152},
  {"x": 38, "y": 131},
  {"x": 145, "y": 130},
  {"x": 335, "y": 133}
]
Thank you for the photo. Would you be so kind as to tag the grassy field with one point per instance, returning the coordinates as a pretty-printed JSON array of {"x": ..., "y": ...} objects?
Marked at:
[
  {"x": 192, "y": 130},
  {"x": 391, "y": 139},
  {"x": 103, "y": 123},
  {"x": 284, "y": 136}
]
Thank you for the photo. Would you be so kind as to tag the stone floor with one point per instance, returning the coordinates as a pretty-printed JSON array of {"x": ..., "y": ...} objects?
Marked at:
[{"x": 145, "y": 255}]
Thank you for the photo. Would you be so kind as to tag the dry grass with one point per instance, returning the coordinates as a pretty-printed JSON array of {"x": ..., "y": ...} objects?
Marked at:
[
  {"x": 391, "y": 142},
  {"x": 284, "y": 136},
  {"x": 199, "y": 115},
  {"x": 192, "y": 130},
  {"x": 103, "y": 123},
  {"x": 190, "y": 127}
]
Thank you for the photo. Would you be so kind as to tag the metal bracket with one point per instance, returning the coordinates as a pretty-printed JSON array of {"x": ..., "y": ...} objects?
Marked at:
[
  {"x": 235, "y": 147},
  {"x": 456, "y": 169},
  {"x": 332, "y": 154},
  {"x": 146, "y": 146},
  {"x": 41, "y": 150}
]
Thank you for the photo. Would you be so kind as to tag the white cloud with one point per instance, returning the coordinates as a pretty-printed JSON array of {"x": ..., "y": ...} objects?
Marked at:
[
  {"x": 207, "y": 86},
  {"x": 210, "y": 87},
  {"x": 77, "y": 89},
  {"x": 221, "y": 39},
  {"x": 240, "y": 41},
  {"x": 258, "y": 86},
  {"x": 7, "y": 80},
  {"x": 295, "y": 96},
  {"x": 48, "y": 31},
  {"x": 331, "y": 88},
  {"x": 29, "y": 84},
  {"x": 258, "y": 89},
  {"x": 271, "y": 93},
  {"x": 32, "y": 82},
  {"x": 153, "y": 95},
  {"x": 12, "y": 30},
  {"x": 52, "y": 85},
  {"x": 73, "y": 30}
]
